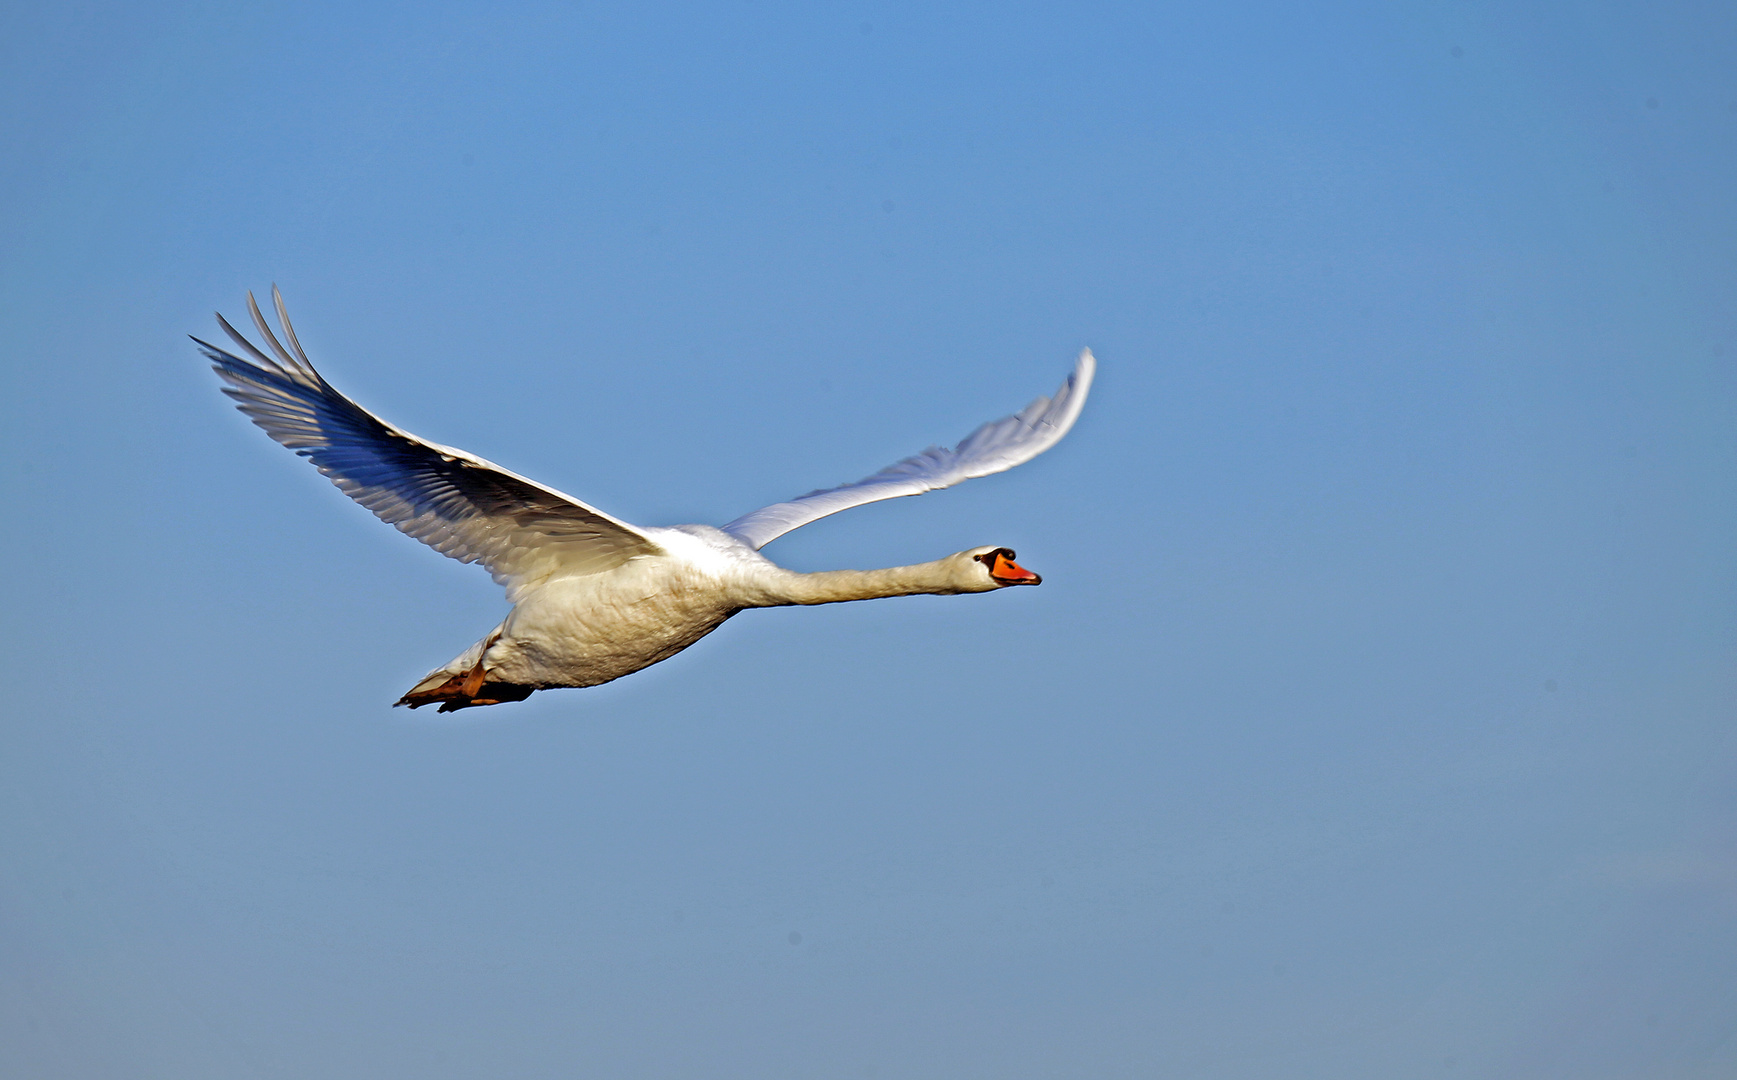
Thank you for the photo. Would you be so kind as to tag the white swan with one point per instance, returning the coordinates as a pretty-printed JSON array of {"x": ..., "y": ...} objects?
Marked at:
[{"x": 595, "y": 598}]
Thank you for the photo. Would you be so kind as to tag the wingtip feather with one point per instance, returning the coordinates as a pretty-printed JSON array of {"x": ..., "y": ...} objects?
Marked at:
[
  {"x": 290, "y": 331},
  {"x": 245, "y": 345},
  {"x": 284, "y": 358}
]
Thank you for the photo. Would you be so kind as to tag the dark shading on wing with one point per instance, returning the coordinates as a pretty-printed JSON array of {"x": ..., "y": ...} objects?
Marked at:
[{"x": 458, "y": 504}]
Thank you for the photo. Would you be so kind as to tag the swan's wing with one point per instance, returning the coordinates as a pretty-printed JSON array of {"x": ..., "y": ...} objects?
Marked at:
[
  {"x": 992, "y": 448},
  {"x": 460, "y": 505}
]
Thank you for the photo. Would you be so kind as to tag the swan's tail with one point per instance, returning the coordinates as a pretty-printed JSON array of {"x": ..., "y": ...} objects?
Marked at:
[{"x": 464, "y": 683}]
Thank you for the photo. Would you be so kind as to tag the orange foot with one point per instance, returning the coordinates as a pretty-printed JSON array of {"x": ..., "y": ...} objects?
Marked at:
[{"x": 467, "y": 690}]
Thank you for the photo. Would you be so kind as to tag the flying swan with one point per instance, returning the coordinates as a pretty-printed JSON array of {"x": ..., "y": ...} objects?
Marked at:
[{"x": 593, "y": 597}]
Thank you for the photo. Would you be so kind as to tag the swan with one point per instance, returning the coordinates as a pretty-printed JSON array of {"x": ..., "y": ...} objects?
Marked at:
[{"x": 594, "y": 598}]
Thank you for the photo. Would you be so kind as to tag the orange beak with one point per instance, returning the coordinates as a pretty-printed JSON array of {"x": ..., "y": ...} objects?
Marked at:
[{"x": 1007, "y": 572}]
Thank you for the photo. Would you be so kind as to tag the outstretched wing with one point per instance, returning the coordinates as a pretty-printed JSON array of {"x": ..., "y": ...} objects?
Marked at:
[
  {"x": 996, "y": 446},
  {"x": 461, "y": 506}
]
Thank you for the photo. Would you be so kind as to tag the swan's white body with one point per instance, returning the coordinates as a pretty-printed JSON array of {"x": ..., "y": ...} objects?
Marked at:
[{"x": 595, "y": 598}]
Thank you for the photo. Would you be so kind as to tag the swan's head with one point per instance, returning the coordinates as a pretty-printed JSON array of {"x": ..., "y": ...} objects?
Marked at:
[{"x": 993, "y": 568}]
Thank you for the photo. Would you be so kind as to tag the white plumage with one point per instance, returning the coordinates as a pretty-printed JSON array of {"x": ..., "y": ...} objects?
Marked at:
[
  {"x": 995, "y": 447},
  {"x": 594, "y": 597}
]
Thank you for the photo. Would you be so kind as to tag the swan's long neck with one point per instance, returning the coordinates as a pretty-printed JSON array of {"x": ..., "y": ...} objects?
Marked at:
[{"x": 833, "y": 586}]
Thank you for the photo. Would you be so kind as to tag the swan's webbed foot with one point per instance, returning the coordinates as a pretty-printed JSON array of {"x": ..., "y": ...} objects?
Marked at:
[{"x": 465, "y": 691}]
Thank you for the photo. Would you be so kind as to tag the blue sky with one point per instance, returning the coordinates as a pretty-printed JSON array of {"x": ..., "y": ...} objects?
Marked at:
[{"x": 1374, "y": 718}]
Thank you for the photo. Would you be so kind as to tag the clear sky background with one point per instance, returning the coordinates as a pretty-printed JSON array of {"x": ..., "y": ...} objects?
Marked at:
[{"x": 1374, "y": 719}]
